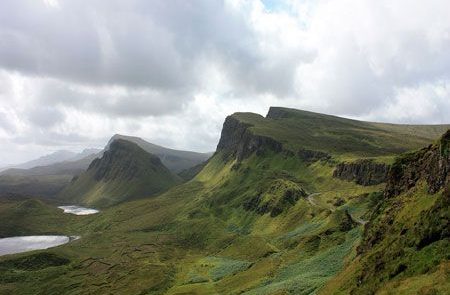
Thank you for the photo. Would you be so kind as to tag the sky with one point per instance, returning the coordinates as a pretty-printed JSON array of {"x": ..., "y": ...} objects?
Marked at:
[{"x": 75, "y": 72}]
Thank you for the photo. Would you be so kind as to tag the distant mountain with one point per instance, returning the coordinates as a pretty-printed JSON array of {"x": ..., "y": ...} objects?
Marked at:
[
  {"x": 55, "y": 157},
  {"x": 72, "y": 167},
  {"x": 175, "y": 160},
  {"x": 47, "y": 180},
  {"x": 90, "y": 152},
  {"x": 125, "y": 171}
]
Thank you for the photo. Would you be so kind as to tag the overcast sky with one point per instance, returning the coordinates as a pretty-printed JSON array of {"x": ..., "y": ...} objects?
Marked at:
[{"x": 73, "y": 73}]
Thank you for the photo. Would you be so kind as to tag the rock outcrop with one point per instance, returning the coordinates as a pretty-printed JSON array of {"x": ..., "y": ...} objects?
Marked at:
[
  {"x": 431, "y": 163},
  {"x": 411, "y": 219},
  {"x": 363, "y": 172},
  {"x": 237, "y": 140}
]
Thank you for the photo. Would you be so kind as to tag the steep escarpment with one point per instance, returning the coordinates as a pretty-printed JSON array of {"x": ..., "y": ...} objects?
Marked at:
[
  {"x": 363, "y": 172},
  {"x": 124, "y": 172},
  {"x": 407, "y": 237},
  {"x": 430, "y": 163},
  {"x": 237, "y": 140}
]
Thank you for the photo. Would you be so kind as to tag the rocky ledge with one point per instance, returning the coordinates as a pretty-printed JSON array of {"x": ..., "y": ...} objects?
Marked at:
[{"x": 363, "y": 172}]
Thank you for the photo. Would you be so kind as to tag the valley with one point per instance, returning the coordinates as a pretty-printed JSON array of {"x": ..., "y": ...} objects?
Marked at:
[{"x": 291, "y": 203}]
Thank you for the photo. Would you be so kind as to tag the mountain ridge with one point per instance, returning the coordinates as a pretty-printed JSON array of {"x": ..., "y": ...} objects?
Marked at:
[
  {"x": 125, "y": 171},
  {"x": 175, "y": 160}
]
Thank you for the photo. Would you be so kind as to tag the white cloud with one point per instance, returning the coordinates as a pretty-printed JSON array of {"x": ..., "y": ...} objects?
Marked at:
[{"x": 72, "y": 73}]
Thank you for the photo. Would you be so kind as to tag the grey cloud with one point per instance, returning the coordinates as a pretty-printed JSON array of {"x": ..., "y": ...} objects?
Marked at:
[
  {"x": 45, "y": 117},
  {"x": 155, "y": 44},
  {"x": 5, "y": 123},
  {"x": 112, "y": 102}
]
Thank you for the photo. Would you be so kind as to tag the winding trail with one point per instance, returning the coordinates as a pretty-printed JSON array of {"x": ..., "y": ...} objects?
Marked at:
[{"x": 311, "y": 200}]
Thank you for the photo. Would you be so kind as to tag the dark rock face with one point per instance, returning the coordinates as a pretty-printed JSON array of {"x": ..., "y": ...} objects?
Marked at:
[
  {"x": 363, "y": 172},
  {"x": 431, "y": 163},
  {"x": 238, "y": 141}
]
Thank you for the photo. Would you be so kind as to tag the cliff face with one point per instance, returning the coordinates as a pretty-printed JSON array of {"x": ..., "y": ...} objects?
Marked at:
[
  {"x": 237, "y": 140},
  {"x": 411, "y": 220},
  {"x": 363, "y": 172},
  {"x": 430, "y": 163}
]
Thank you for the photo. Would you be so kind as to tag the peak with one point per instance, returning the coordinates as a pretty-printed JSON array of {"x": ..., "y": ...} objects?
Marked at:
[
  {"x": 120, "y": 143},
  {"x": 122, "y": 136},
  {"x": 117, "y": 136}
]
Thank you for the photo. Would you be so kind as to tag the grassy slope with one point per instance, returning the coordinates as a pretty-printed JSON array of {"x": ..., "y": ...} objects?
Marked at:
[{"x": 197, "y": 238}]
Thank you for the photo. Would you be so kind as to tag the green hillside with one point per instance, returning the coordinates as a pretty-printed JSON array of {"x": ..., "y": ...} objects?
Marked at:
[
  {"x": 124, "y": 172},
  {"x": 267, "y": 214}
]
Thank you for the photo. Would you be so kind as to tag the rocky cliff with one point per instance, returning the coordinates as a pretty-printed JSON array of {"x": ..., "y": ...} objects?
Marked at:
[
  {"x": 363, "y": 172},
  {"x": 430, "y": 163},
  {"x": 238, "y": 141},
  {"x": 409, "y": 230}
]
